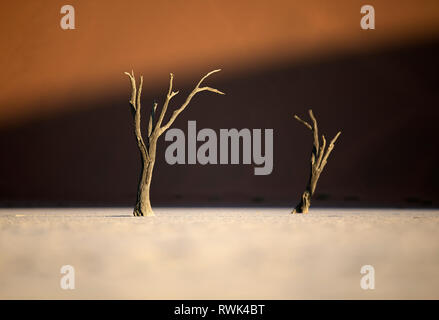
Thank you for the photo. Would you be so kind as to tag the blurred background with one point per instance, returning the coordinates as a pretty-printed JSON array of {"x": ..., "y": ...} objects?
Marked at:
[{"x": 66, "y": 130}]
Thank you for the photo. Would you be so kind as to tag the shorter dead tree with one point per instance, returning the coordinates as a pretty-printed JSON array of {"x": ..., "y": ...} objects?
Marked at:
[
  {"x": 147, "y": 146},
  {"x": 319, "y": 157}
]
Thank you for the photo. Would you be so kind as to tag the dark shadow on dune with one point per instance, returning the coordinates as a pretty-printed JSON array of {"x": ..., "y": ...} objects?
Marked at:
[{"x": 385, "y": 102}]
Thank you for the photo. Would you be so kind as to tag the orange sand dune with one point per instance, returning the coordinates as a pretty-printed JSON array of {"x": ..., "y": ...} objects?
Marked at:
[{"x": 43, "y": 66}]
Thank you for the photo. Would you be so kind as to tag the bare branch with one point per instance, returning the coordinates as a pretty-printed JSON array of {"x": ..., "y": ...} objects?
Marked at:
[
  {"x": 207, "y": 75},
  {"x": 321, "y": 152},
  {"x": 135, "y": 102},
  {"x": 328, "y": 151},
  {"x": 169, "y": 96},
  {"x": 315, "y": 131},
  {"x": 210, "y": 89},
  {"x": 188, "y": 100},
  {"x": 151, "y": 119},
  {"x": 171, "y": 80},
  {"x": 133, "y": 86},
  {"x": 302, "y": 121},
  {"x": 139, "y": 93}
]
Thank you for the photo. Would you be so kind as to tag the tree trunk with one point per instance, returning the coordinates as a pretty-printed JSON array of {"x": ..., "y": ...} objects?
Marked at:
[
  {"x": 305, "y": 201},
  {"x": 143, "y": 202}
]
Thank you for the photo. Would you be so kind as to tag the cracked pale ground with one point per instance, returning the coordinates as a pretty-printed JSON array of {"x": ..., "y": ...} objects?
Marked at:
[{"x": 219, "y": 253}]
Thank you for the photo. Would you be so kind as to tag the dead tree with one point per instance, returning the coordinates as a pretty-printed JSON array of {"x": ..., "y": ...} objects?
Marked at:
[
  {"x": 319, "y": 158},
  {"x": 147, "y": 146}
]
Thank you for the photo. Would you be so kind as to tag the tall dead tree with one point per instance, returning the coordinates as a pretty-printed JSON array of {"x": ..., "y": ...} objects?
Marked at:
[
  {"x": 319, "y": 158},
  {"x": 148, "y": 145}
]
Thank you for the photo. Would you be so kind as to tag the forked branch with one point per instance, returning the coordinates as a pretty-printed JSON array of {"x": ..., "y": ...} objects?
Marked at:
[{"x": 171, "y": 94}]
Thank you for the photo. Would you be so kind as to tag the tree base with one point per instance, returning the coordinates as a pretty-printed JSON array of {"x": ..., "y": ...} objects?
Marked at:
[
  {"x": 299, "y": 210},
  {"x": 138, "y": 212},
  {"x": 304, "y": 204}
]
